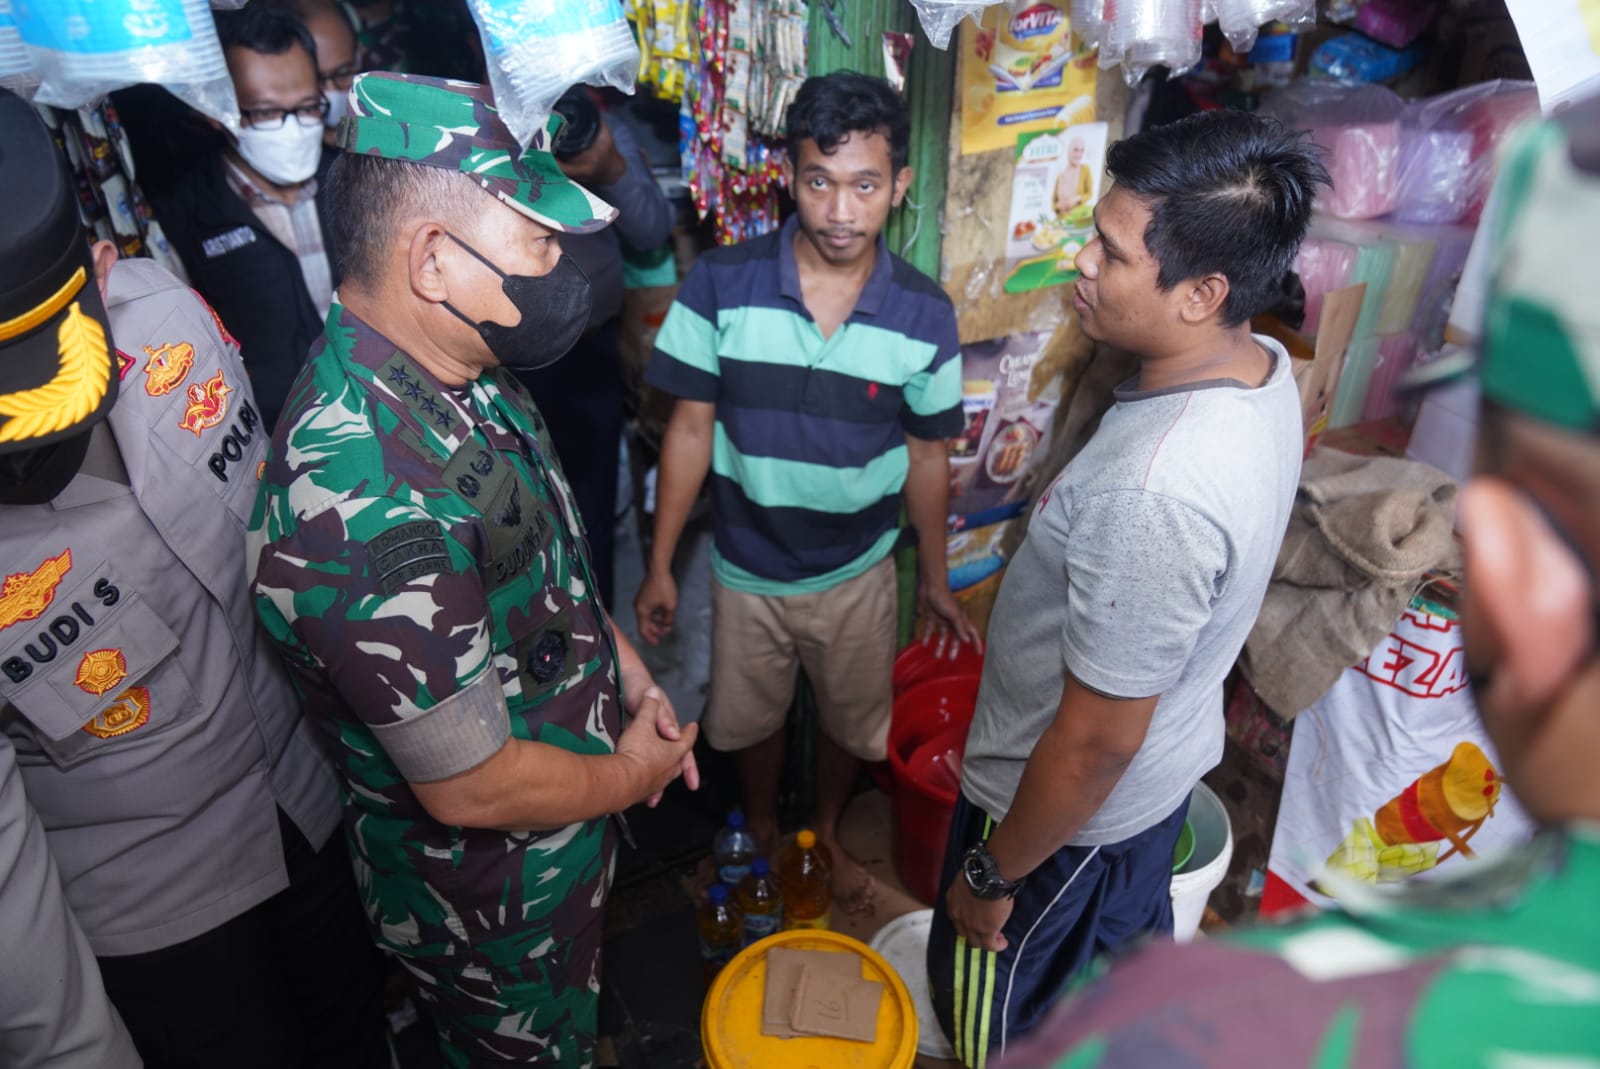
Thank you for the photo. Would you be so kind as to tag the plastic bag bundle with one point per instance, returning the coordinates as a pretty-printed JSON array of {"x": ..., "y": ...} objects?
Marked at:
[
  {"x": 1397, "y": 353},
  {"x": 1350, "y": 396},
  {"x": 82, "y": 49},
  {"x": 1239, "y": 20},
  {"x": 1451, "y": 245},
  {"x": 1414, "y": 254},
  {"x": 1324, "y": 265},
  {"x": 1491, "y": 118},
  {"x": 940, "y": 17},
  {"x": 1149, "y": 33},
  {"x": 16, "y": 69},
  {"x": 1447, "y": 148},
  {"x": 1088, "y": 19},
  {"x": 1359, "y": 130},
  {"x": 537, "y": 49}
]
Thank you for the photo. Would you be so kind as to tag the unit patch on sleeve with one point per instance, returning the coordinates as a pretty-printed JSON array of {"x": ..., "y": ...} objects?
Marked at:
[
  {"x": 167, "y": 367},
  {"x": 129, "y": 712},
  {"x": 407, "y": 552},
  {"x": 208, "y": 404},
  {"x": 124, "y": 364},
  {"x": 26, "y": 595},
  {"x": 100, "y": 670}
]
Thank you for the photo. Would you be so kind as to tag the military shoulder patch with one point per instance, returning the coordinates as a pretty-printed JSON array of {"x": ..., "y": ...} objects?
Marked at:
[{"x": 407, "y": 552}]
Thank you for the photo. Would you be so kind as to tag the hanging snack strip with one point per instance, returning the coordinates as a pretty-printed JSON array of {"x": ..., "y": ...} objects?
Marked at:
[
  {"x": 665, "y": 29},
  {"x": 752, "y": 59}
]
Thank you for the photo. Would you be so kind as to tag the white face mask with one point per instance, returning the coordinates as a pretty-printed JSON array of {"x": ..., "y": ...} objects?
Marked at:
[
  {"x": 287, "y": 155},
  {"x": 338, "y": 107}
]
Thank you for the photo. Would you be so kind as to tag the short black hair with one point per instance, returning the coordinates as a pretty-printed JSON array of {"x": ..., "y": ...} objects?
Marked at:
[
  {"x": 365, "y": 198},
  {"x": 1229, "y": 192},
  {"x": 269, "y": 30},
  {"x": 830, "y": 107}
]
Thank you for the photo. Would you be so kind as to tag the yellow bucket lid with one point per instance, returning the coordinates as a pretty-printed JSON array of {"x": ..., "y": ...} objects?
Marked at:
[{"x": 730, "y": 1020}]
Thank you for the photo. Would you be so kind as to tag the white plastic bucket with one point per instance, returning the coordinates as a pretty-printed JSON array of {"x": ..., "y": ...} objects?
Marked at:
[
  {"x": 903, "y": 943},
  {"x": 1202, "y": 873}
]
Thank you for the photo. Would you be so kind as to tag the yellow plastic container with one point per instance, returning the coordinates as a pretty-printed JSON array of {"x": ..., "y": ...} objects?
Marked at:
[{"x": 730, "y": 1020}]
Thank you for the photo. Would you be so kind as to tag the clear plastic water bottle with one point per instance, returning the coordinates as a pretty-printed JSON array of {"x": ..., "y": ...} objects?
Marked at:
[
  {"x": 721, "y": 931},
  {"x": 761, "y": 901},
  {"x": 734, "y": 848}
]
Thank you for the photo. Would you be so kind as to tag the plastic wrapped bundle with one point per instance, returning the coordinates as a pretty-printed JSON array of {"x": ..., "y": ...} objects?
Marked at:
[
  {"x": 1414, "y": 255},
  {"x": 1151, "y": 33},
  {"x": 1491, "y": 117},
  {"x": 1324, "y": 265},
  {"x": 1435, "y": 169},
  {"x": 1396, "y": 355},
  {"x": 1350, "y": 396},
  {"x": 1359, "y": 130},
  {"x": 1451, "y": 245},
  {"x": 1374, "y": 264},
  {"x": 537, "y": 49},
  {"x": 82, "y": 49},
  {"x": 940, "y": 17},
  {"x": 1240, "y": 20},
  {"x": 16, "y": 67},
  {"x": 1088, "y": 18},
  {"x": 1396, "y": 23}
]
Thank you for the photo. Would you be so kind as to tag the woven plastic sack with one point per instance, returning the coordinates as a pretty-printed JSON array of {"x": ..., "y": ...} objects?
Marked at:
[
  {"x": 83, "y": 49},
  {"x": 537, "y": 49}
]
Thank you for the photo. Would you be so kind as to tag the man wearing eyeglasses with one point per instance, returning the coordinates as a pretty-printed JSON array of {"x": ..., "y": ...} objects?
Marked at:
[
  {"x": 335, "y": 38},
  {"x": 246, "y": 221}
]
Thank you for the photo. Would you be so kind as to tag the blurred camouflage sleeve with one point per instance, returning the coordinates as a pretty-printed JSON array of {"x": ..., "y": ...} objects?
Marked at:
[{"x": 383, "y": 599}]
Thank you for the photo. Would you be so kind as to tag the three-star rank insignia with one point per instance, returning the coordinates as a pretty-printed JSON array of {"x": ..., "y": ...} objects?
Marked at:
[
  {"x": 129, "y": 712},
  {"x": 26, "y": 595},
  {"x": 167, "y": 367},
  {"x": 100, "y": 670},
  {"x": 208, "y": 404}
]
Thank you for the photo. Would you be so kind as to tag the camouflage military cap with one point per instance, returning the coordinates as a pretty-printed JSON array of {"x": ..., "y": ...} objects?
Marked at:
[
  {"x": 1540, "y": 345},
  {"x": 455, "y": 126}
]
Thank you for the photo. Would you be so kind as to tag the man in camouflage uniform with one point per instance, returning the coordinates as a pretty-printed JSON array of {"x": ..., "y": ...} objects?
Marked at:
[
  {"x": 422, "y": 569},
  {"x": 1501, "y": 967}
]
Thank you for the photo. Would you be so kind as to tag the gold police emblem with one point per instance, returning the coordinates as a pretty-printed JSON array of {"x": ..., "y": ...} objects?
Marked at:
[
  {"x": 129, "y": 712},
  {"x": 100, "y": 670}
]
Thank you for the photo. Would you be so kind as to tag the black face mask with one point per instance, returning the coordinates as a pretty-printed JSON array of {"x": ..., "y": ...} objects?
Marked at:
[
  {"x": 36, "y": 476},
  {"x": 554, "y": 307}
]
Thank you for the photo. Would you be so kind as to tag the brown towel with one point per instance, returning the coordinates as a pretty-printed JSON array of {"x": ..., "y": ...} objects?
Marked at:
[{"x": 1363, "y": 533}]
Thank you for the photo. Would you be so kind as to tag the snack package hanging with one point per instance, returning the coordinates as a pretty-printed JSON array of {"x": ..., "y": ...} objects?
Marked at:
[
  {"x": 1241, "y": 20},
  {"x": 1152, "y": 33},
  {"x": 81, "y": 50},
  {"x": 1022, "y": 72},
  {"x": 536, "y": 49},
  {"x": 939, "y": 17},
  {"x": 1359, "y": 130}
]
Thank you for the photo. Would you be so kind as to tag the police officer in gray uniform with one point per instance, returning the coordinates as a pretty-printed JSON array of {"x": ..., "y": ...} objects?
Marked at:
[{"x": 188, "y": 810}]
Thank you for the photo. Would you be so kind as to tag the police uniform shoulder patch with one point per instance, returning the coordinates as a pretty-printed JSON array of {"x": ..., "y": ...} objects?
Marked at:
[
  {"x": 129, "y": 712},
  {"x": 100, "y": 670},
  {"x": 407, "y": 552},
  {"x": 167, "y": 367},
  {"x": 124, "y": 364}
]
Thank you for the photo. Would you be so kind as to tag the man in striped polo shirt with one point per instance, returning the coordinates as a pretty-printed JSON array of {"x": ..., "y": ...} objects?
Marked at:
[{"x": 817, "y": 377}]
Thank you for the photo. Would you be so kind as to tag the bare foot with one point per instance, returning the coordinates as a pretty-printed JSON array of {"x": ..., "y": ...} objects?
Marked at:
[{"x": 854, "y": 890}]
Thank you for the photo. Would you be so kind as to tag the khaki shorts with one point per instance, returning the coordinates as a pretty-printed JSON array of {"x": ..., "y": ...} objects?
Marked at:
[{"x": 842, "y": 636}]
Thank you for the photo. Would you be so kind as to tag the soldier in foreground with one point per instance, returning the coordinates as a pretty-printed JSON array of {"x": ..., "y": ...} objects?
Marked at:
[{"x": 424, "y": 572}]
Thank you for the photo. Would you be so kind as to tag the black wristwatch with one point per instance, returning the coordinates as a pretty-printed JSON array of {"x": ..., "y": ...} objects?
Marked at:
[{"x": 982, "y": 874}]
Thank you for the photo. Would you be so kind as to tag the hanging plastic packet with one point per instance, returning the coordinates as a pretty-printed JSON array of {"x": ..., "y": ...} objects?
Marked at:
[
  {"x": 1088, "y": 19},
  {"x": 16, "y": 66},
  {"x": 1241, "y": 20},
  {"x": 939, "y": 17},
  {"x": 1151, "y": 33},
  {"x": 536, "y": 49},
  {"x": 81, "y": 50}
]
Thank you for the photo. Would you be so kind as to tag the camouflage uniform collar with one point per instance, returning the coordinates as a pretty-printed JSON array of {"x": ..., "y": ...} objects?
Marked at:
[{"x": 429, "y": 408}]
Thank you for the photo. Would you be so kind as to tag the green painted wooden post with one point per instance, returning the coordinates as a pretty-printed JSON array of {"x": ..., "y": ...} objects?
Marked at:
[{"x": 929, "y": 84}]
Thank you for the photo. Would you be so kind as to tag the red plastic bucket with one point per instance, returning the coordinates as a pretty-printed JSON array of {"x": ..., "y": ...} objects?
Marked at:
[
  {"x": 927, "y": 731},
  {"x": 935, "y": 659}
]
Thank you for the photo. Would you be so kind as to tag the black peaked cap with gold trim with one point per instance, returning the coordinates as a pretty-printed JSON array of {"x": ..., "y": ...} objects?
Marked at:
[{"x": 57, "y": 364}]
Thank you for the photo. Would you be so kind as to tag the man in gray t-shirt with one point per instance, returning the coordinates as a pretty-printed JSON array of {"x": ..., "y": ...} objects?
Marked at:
[{"x": 1142, "y": 573}]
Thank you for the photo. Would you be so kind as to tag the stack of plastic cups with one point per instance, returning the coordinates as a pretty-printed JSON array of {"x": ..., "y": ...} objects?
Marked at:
[
  {"x": 1088, "y": 19},
  {"x": 1324, "y": 265},
  {"x": 78, "y": 60},
  {"x": 1151, "y": 33},
  {"x": 1239, "y": 20}
]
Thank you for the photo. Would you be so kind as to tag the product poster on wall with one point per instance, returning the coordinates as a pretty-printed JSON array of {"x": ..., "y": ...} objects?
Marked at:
[
  {"x": 1022, "y": 73},
  {"x": 1008, "y": 403},
  {"x": 1057, "y": 181}
]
